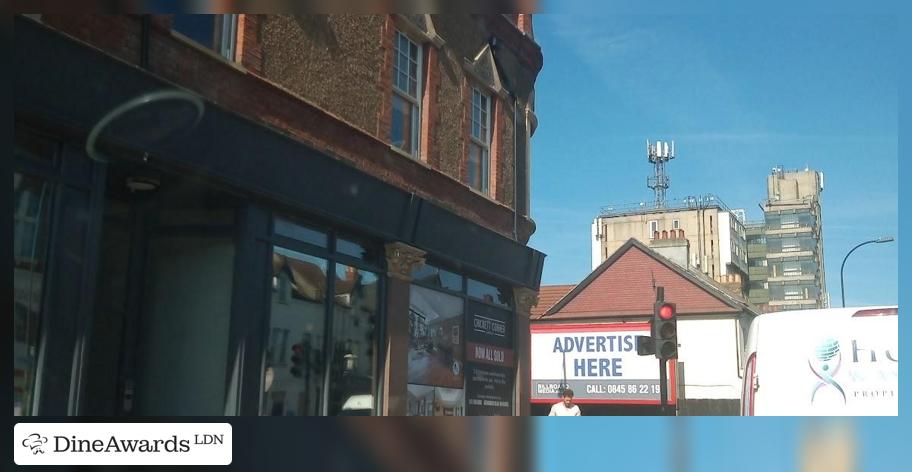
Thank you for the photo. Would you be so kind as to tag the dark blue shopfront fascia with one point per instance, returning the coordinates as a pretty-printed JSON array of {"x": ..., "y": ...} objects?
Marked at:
[{"x": 68, "y": 83}]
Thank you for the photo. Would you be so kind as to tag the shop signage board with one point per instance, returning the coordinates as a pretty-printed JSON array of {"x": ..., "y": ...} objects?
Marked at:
[{"x": 490, "y": 360}]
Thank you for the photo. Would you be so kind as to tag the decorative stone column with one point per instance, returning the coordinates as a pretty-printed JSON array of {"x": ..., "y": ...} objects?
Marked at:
[
  {"x": 400, "y": 260},
  {"x": 524, "y": 299}
]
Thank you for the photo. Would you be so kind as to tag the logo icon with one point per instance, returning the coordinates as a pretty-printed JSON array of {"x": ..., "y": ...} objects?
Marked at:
[
  {"x": 824, "y": 363},
  {"x": 35, "y": 442}
]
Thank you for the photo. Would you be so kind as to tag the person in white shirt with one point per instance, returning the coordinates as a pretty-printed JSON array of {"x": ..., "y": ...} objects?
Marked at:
[{"x": 565, "y": 407}]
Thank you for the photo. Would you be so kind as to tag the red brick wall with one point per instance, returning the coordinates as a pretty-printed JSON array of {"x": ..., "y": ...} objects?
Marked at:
[
  {"x": 466, "y": 121},
  {"x": 429, "y": 110},
  {"x": 497, "y": 151},
  {"x": 243, "y": 91},
  {"x": 118, "y": 35},
  {"x": 250, "y": 46}
]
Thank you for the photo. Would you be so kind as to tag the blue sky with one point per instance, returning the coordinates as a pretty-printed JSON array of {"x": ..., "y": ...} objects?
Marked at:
[
  {"x": 715, "y": 444},
  {"x": 739, "y": 94}
]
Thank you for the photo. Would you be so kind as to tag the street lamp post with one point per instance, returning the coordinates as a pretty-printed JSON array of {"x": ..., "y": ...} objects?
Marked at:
[{"x": 883, "y": 239}]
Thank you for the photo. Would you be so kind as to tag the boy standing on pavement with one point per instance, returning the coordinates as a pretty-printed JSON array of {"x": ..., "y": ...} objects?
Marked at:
[{"x": 565, "y": 407}]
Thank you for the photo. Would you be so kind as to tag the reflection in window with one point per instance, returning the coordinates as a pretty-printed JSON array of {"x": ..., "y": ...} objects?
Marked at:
[
  {"x": 30, "y": 220},
  {"x": 359, "y": 249},
  {"x": 353, "y": 342},
  {"x": 299, "y": 232},
  {"x": 437, "y": 277},
  {"x": 489, "y": 293},
  {"x": 294, "y": 387}
]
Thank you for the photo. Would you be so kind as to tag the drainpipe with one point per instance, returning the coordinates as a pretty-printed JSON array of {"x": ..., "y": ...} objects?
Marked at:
[{"x": 515, "y": 174}]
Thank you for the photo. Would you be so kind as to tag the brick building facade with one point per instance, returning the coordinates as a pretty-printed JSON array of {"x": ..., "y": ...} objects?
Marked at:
[{"x": 230, "y": 214}]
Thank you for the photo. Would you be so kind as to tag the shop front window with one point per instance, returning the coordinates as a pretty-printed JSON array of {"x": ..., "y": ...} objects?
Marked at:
[
  {"x": 489, "y": 293},
  {"x": 293, "y": 384},
  {"x": 355, "y": 311},
  {"x": 326, "y": 301},
  {"x": 31, "y": 204},
  {"x": 427, "y": 274}
]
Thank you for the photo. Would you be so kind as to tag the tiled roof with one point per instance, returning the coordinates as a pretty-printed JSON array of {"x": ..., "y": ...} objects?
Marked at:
[
  {"x": 548, "y": 295},
  {"x": 624, "y": 286}
]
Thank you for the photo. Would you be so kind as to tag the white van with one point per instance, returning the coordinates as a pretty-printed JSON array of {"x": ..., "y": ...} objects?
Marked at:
[{"x": 834, "y": 362}]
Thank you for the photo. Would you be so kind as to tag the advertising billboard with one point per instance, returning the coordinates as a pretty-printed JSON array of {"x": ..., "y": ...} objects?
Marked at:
[{"x": 598, "y": 361}]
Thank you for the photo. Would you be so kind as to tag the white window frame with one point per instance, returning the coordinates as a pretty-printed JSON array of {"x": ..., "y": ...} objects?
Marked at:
[
  {"x": 224, "y": 42},
  {"x": 653, "y": 231},
  {"x": 227, "y": 31},
  {"x": 675, "y": 224},
  {"x": 483, "y": 142},
  {"x": 415, "y": 101}
]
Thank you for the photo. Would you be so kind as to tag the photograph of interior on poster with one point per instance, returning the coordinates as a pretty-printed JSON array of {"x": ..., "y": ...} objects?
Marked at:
[
  {"x": 436, "y": 369},
  {"x": 598, "y": 361}
]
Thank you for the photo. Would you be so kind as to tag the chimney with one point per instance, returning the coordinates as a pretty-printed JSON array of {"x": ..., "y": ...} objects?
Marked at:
[
  {"x": 673, "y": 248},
  {"x": 732, "y": 284}
]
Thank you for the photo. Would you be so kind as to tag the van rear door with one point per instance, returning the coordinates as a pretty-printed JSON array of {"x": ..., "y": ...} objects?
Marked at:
[{"x": 836, "y": 362}]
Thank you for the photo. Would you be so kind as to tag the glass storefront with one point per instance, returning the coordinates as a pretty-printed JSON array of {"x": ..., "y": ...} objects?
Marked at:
[
  {"x": 31, "y": 207},
  {"x": 294, "y": 356},
  {"x": 178, "y": 323},
  {"x": 321, "y": 355}
]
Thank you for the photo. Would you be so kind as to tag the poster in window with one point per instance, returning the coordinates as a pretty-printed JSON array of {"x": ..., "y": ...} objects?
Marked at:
[
  {"x": 436, "y": 345},
  {"x": 489, "y": 325},
  {"x": 489, "y": 390},
  {"x": 489, "y": 360},
  {"x": 424, "y": 400}
]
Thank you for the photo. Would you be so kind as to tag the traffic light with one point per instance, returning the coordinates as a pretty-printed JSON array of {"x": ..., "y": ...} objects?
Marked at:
[
  {"x": 665, "y": 330},
  {"x": 297, "y": 360}
]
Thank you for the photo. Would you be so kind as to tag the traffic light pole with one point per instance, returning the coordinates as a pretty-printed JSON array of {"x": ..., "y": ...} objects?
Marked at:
[
  {"x": 663, "y": 365},
  {"x": 663, "y": 385}
]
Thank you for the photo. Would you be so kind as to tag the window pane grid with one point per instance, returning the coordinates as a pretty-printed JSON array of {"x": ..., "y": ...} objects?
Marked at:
[
  {"x": 406, "y": 112},
  {"x": 406, "y": 66}
]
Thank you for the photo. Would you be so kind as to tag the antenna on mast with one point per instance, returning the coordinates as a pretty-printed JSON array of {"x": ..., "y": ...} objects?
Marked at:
[{"x": 658, "y": 154}]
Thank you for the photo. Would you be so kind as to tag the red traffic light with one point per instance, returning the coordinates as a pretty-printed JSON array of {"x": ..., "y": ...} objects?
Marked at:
[{"x": 666, "y": 311}]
